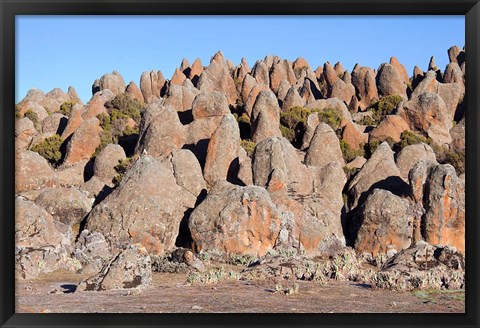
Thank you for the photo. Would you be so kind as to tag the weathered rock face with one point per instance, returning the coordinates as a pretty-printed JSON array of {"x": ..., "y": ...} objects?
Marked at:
[
  {"x": 84, "y": 141},
  {"x": 265, "y": 117},
  {"x": 161, "y": 132},
  {"x": 390, "y": 82},
  {"x": 386, "y": 224},
  {"x": 277, "y": 166},
  {"x": 458, "y": 135},
  {"x": 391, "y": 126},
  {"x": 324, "y": 147},
  {"x": 92, "y": 250},
  {"x": 41, "y": 242},
  {"x": 130, "y": 268},
  {"x": 177, "y": 78},
  {"x": 152, "y": 84},
  {"x": 411, "y": 155},
  {"x": 453, "y": 74},
  {"x": 74, "y": 120},
  {"x": 106, "y": 160},
  {"x": 343, "y": 91},
  {"x": 363, "y": 79},
  {"x": 187, "y": 172},
  {"x": 32, "y": 171},
  {"x": 444, "y": 201},
  {"x": 235, "y": 219},
  {"x": 133, "y": 90},
  {"x": 260, "y": 73},
  {"x": 210, "y": 105},
  {"x": 151, "y": 215},
  {"x": 379, "y": 172},
  {"x": 181, "y": 97},
  {"x": 312, "y": 122},
  {"x": 54, "y": 123},
  {"x": 428, "y": 113},
  {"x": 281, "y": 70},
  {"x": 354, "y": 135},
  {"x": 216, "y": 77},
  {"x": 24, "y": 133},
  {"x": 292, "y": 99},
  {"x": 67, "y": 205},
  {"x": 113, "y": 82},
  {"x": 252, "y": 97},
  {"x": 247, "y": 85},
  {"x": 196, "y": 70},
  {"x": 222, "y": 151},
  {"x": 400, "y": 68}
]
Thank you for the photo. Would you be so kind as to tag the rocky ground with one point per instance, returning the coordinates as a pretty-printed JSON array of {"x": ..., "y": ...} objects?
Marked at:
[{"x": 325, "y": 178}]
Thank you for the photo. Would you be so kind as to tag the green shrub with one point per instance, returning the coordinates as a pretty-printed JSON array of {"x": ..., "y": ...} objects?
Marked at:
[
  {"x": 384, "y": 107},
  {"x": 332, "y": 117},
  {"x": 249, "y": 146},
  {"x": 17, "y": 112},
  {"x": 125, "y": 106},
  {"x": 349, "y": 172},
  {"x": 32, "y": 116},
  {"x": 66, "y": 107},
  {"x": 408, "y": 138},
  {"x": 122, "y": 167},
  {"x": 367, "y": 120},
  {"x": 349, "y": 154},
  {"x": 50, "y": 148},
  {"x": 454, "y": 157},
  {"x": 371, "y": 147},
  {"x": 114, "y": 124},
  {"x": 287, "y": 133}
]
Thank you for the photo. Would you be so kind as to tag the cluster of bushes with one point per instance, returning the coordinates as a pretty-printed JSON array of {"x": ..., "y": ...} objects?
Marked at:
[
  {"x": 66, "y": 107},
  {"x": 384, "y": 107},
  {"x": 349, "y": 154},
  {"x": 248, "y": 145},
  {"x": 115, "y": 124},
  {"x": 50, "y": 149},
  {"x": 122, "y": 167},
  {"x": 32, "y": 116},
  {"x": 293, "y": 122}
]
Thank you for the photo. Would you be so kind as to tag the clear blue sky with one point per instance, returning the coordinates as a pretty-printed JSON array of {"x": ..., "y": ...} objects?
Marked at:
[{"x": 58, "y": 51}]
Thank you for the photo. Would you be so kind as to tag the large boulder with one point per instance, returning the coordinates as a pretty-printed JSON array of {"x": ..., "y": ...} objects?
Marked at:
[
  {"x": 343, "y": 91},
  {"x": 324, "y": 147},
  {"x": 210, "y": 105},
  {"x": 391, "y": 126},
  {"x": 355, "y": 135},
  {"x": 276, "y": 165},
  {"x": 151, "y": 84},
  {"x": 188, "y": 172},
  {"x": 281, "y": 70},
  {"x": 130, "y": 268},
  {"x": 32, "y": 171},
  {"x": 427, "y": 112},
  {"x": 161, "y": 132},
  {"x": 234, "y": 219},
  {"x": 147, "y": 207},
  {"x": 222, "y": 151},
  {"x": 386, "y": 224},
  {"x": 400, "y": 69},
  {"x": 92, "y": 250},
  {"x": 113, "y": 82},
  {"x": 67, "y": 205},
  {"x": 390, "y": 82},
  {"x": 410, "y": 155},
  {"x": 216, "y": 77},
  {"x": 24, "y": 133},
  {"x": 444, "y": 202},
  {"x": 292, "y": 99},
  {"x": 260, "y": 73},
  {"x": 54, "y": 123},
  {"x": 84, "y": 142},
  {"x": 379, "y": 172},
  {"x": 134, "y": 91},
  {"x": 42, "y": 244},
  {"x": 106, "y": 160},
  {"x": 363, "y": 79},
  {"x": 332, "y": 103},
  {"x": 265, "y": 117}
]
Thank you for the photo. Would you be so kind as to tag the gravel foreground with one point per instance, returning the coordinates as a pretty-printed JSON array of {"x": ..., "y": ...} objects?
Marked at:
[{"x": 170, "y": 293}]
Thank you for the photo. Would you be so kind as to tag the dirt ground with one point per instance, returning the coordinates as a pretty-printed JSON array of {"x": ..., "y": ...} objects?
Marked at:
[{"x": 54, "y": 293}]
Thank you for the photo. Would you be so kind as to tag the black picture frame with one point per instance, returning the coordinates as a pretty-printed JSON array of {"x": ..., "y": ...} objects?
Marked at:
[{"x": 10, "y": 8}]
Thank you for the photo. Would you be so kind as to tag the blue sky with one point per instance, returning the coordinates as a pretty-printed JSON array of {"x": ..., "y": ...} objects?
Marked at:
[{"x": 58, "y": 51}]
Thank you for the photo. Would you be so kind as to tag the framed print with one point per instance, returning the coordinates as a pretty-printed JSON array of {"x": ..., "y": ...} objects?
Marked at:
[{"x": 202, "y": 163}]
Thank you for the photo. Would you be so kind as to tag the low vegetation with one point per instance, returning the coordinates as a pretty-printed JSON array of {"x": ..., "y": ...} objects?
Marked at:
[
  {"x": 50, "y": 149},
  {"x": 349, "y": 154},
  {"x": 122, "y": 167},
  {"x": 66, "y": 107},
  {"x": 249, "y": 146},
  {"x": 117, "y": 123},
  {"x": 384, "y": 107}
]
